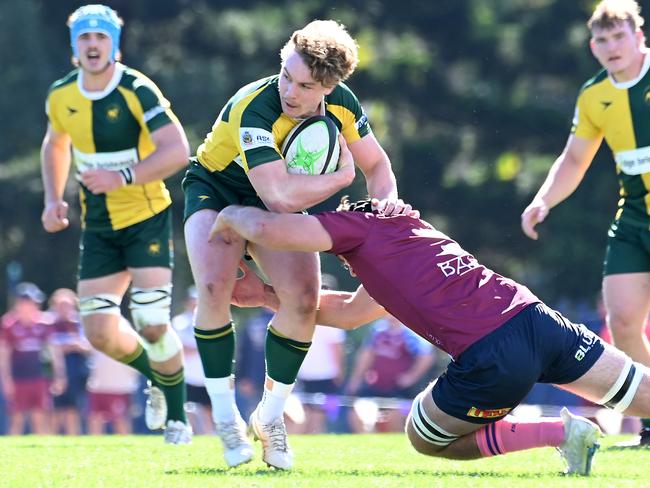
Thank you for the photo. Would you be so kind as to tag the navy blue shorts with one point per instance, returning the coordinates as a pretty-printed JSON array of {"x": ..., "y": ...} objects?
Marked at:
[{"x": 493, "y": 375}]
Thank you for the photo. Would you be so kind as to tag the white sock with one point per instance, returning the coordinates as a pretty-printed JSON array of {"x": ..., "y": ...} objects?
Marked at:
[
  {"x": 273, "y": 400},
  {"x": 222, "y": 397}
]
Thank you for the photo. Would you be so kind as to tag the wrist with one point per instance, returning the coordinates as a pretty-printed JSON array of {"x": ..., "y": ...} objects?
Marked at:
[{"x": 127, "y": 175}]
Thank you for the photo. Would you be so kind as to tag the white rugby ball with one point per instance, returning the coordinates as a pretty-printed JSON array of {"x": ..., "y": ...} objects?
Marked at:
[{"x": 312, "y": 147}]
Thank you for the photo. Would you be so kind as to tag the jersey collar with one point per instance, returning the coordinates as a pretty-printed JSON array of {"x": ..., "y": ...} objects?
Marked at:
[
  {"x": 624, "y": 85},
  {"x": 112, "y": 84}
]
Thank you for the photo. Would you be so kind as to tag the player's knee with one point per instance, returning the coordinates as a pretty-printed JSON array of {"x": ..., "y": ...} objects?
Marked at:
[
  {"x": 152, "y": 333},
  {"x": 624, "y": 329},
  {"x": 150, "y": 306},
  {"x": 165, "y": 347},
  {"x": 302, "y": 297},
  {"x": 99, "y": 337}
]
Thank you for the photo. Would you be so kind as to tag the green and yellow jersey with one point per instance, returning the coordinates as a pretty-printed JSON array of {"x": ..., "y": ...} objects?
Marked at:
[
  {"x": 251, "y": 128},
  {"x": 112, "y": 130},
  {"x": 620, "y": 112}
]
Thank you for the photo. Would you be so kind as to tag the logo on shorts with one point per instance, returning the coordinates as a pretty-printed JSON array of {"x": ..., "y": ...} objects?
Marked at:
[
  {"x": 487, "y": 414},
  {"x": 203, "y": 198},
  {"x": 154, "y": 248},
  {"x": 587, "y": 343}
]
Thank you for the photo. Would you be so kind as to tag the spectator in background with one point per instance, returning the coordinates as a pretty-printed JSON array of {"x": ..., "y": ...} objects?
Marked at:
[
  {"x": 24, "y": 336},
  {"x": 67, "y": 334},
  {"x": 199, "y": 411},
  {"x": 110, "y": 386},
  {"x": 391, "y": 363},
  {"x": 322, "y": 371},
  {"x": 251, "y": 340}
]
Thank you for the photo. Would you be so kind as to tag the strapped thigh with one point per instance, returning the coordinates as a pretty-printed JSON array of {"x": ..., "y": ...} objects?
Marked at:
[
  {"x": 622, "y": 392},
  {"x": 425, "y": 428}
]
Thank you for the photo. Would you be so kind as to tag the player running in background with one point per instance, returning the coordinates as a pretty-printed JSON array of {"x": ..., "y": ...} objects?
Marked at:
[
  {"x": 240, "y": 162},
  {"x": 501, "y": 337},
  {"x": 124, "y": 139},
  {"x": 612, "y": 106}
]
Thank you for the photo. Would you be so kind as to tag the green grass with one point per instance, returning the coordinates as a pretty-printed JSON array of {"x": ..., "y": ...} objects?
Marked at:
[{"x": 329, "y": 461}]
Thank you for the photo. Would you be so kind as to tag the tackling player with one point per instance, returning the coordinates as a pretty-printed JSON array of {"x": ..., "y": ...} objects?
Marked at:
[
  {"x": 240, "y": 162},
  {"x": 125, "y": 140},
  {"x": 613, "y": 106},
  {"x": 501, "y": 337}
]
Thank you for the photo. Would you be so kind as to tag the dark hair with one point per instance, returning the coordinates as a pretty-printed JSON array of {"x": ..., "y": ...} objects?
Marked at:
[{"x": 359, "y": 206}]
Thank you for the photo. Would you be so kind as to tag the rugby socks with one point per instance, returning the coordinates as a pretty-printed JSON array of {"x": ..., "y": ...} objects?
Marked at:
[
  {"x": 139, "y": 361},
  {"x": 217, "y": 350},
  {"x": 503, "y": 437},
  {"x": 284, "y": 357},
  {"x": 173, "y": 387}
]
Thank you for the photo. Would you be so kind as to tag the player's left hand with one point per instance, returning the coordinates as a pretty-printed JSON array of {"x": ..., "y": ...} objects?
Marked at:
[
  {"x": 251, "y": 291},
  {"x": 58, "y": 386},
  {"x": 393, "y": 207},
  {"x": 100, "y": 181}
]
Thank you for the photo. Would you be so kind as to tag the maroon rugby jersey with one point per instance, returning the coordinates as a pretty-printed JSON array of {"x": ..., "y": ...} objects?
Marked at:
[{"x": 424, "y": 278}]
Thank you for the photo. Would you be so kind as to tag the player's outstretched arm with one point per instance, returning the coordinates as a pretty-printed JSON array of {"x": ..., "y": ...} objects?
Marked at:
[
  {"x": 345, "y": 310},
  {"x": 563, "y": 178},
  {"x": 283, "y": 232},
  {"x": 55, "y": 168}
]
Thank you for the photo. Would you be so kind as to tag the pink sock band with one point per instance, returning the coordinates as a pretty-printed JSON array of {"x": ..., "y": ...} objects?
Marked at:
[{"x": 502, "y": 437}]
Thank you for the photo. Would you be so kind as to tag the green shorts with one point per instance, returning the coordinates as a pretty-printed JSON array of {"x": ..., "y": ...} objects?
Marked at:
[
  {"x": 628, "y": 249},
  {"x": 214, "y": 191},
  {"x": 145, "y": 244}
]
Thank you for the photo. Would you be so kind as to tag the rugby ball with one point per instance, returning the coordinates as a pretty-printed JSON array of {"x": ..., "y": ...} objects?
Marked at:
[{"x": 312, "y": 147}]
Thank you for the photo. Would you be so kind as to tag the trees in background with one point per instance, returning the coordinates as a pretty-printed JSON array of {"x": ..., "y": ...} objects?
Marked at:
[{"x": 472, "y": 98}]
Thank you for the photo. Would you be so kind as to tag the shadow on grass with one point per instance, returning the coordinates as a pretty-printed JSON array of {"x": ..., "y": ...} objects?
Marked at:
[{"x": 262, "y": 472}]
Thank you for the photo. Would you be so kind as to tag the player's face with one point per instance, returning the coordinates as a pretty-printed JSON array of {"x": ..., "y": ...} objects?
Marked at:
[
  {"x": 618, "y": 50},
  {"x": 300, "y": 94},
  {"x": 94, "y": 50}
]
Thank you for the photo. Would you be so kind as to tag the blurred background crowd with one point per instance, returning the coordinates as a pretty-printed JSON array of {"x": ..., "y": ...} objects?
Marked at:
[{"x": 358, "y": 381}]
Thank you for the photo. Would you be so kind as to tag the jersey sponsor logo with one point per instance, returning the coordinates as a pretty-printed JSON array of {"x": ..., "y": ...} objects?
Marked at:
[
  {"x": 487, "y": 413},
  {"x": 251, "y": 138},
  {"x": 113, "y": 161},
  {"x": 461, "y": 263},
  {"x": 113, "y": 113},
  {"x": 606, "y": 104},
  {"x": 635, "y": 161},
  {"x": 72, "y": 111}
]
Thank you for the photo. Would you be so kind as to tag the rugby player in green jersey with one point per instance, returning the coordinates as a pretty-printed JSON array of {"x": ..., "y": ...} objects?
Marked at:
[
  {"x": 613, "y": 106},
  {"x": 240, "y": 162},
  {"x": 124, "y": 140}
]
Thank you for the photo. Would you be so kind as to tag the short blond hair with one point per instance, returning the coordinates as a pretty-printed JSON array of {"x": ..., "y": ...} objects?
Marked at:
[
  {"x": 609, "y": 13},
  {"x": 328, "y": 50}
]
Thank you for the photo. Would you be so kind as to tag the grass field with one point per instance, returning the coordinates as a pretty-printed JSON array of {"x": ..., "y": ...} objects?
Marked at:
[{"x": 330, "y": 461}]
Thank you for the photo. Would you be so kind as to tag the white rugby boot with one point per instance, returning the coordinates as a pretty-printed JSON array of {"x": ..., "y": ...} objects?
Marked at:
[
  {"x": 177, "y": 432},
  {"x": 236, "y": 447},
  {"x": 580, "y": 442},
  {"x": 275, "y": 446},
  {"x": 155, "y": 410}
]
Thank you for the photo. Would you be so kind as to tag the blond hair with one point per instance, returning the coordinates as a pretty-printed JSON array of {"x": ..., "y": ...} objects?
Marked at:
[
  {"x": 327, "y": 49},
  {"x": 609, "y": 13}
]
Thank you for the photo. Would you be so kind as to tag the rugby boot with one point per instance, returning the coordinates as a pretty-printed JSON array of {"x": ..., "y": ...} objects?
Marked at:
[
  {"x": 155, "y": 411},
  {"x": 275, "y": 446},
  {"x": 236, "y": 447},
  {"x": 177, "y": 432},
  {"x": 580, "y": 443}
]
